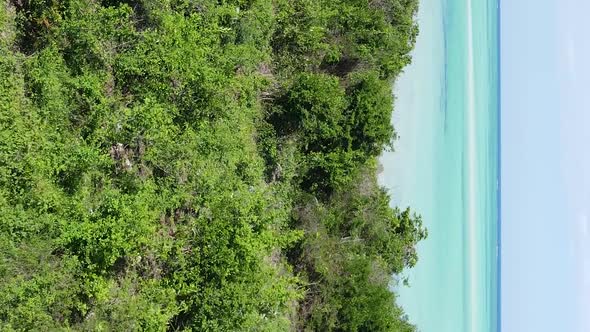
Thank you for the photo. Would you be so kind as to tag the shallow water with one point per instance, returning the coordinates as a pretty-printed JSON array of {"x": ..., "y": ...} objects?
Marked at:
[{"x": 446, "y": 165}]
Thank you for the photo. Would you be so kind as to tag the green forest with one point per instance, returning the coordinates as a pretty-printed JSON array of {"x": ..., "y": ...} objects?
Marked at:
[{"x": 201, "y": 165}]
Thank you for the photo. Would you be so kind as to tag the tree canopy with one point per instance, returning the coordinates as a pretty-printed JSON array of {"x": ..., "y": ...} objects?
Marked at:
[{"x": 200, "y": 165}]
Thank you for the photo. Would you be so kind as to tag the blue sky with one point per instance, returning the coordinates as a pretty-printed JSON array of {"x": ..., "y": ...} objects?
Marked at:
[{"x": 545, "y": 165}]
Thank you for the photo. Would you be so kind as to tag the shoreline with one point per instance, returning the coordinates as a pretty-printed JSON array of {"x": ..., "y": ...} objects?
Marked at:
[
  {"x": 499, "y": 167},
  {"x": 428, "y": 170}
]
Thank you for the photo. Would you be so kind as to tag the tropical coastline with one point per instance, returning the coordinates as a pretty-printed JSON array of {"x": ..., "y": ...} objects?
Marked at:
[
  {"x": 201, "y": 165},
  {"x": 446, "y": 166}
]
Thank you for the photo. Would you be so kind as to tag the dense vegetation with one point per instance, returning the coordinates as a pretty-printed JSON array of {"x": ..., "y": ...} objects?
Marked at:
[{"x": 204, "y": 165}]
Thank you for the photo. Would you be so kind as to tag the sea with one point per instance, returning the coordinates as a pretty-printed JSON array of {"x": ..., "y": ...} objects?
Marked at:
[{"x": 445, "y": 166}]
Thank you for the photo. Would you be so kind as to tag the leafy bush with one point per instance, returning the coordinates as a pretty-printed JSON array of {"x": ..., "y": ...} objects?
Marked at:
[{"x": 157, "y": 158}]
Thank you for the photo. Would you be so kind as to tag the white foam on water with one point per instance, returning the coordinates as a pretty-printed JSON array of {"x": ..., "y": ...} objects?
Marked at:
[{"x": 471, "y": 176}]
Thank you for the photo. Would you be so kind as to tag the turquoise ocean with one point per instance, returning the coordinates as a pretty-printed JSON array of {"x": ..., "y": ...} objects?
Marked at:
[{"x": 445, "y": 165}]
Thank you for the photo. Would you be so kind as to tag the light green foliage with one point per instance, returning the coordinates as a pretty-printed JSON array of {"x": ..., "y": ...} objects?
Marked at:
[
  {"x": 369, "y": 114},
  {"x": 354, "y": 242},
  {"x": 379, "y": 34},
  {"x": 341, "y": 36},
  {"x": 313, "y": 107},
  {"x": 158, "y": 157}
]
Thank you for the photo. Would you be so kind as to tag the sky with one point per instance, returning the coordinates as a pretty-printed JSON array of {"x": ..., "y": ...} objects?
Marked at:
[{"x": 545, "y": 87}]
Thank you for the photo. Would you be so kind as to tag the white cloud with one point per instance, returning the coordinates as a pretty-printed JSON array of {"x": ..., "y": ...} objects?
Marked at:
[
  {"x": 570, "y": 57},
  {"x": 583, "y": 273},
  {"x": 583, "y": 226}
]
